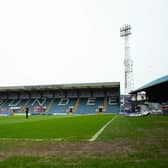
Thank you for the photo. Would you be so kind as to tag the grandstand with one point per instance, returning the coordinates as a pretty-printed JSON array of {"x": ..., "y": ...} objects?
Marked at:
[
  {"x": 152, "y": 97},
  {"x": 88, "y": 98}
]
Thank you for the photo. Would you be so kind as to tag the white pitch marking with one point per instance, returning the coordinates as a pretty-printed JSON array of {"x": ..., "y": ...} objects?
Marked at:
[{"x": 94, "y": 137}]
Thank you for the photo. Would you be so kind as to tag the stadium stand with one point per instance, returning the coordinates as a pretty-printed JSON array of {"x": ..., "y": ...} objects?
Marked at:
[
  {"x": 152, "y": 97},
  {"x": 91, "y": 98}
]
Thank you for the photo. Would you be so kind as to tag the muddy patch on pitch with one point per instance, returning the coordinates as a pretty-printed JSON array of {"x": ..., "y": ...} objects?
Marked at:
[{"x": 70, "y": 149}]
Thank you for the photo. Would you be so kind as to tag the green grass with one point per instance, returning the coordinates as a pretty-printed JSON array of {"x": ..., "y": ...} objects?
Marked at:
[
  {"x": 127, "y": 142},
  {"x": 52, "y": 127},
  {"x": 84, "y": 162},
  {"x": 136, "y": 127}
]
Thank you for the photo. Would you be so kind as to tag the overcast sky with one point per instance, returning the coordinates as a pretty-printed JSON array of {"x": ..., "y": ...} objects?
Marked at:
[{"x": 74, "y": 41}]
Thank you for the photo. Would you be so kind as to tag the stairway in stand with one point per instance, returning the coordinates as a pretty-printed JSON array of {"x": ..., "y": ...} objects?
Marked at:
[
  {"x": 105, "y": 104},
  {"x": 76, "y": 105},
  {"x": 49, "y": 105}
]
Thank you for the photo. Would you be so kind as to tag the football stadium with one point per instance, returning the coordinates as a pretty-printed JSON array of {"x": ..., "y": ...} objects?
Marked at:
[
  {"x": 78, "y": 125},
  {"x": 85, "y": 125},
  {"x": 67, "y": 100}
]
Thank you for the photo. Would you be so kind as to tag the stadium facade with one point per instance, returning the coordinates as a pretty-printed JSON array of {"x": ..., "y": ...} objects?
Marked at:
[{"x": 84, "y": 98}]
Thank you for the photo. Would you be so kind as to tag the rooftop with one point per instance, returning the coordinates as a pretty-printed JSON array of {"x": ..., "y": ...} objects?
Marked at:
[
  {"x": 151, "y": 84},
  {"x": 61, "y": 86}
]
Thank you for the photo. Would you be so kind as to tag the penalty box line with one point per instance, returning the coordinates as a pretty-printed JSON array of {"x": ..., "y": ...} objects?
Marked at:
[{"x": 94, "y": 137}]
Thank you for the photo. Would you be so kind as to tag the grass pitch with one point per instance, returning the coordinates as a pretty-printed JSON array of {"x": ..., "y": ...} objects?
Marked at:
[
  {"x": 61, "y": 128},
  {"x": 62, "y": 141}
]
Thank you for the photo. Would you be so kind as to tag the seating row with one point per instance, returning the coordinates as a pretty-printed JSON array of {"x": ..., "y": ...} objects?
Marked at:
[{"x": 60, "y": 106}]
